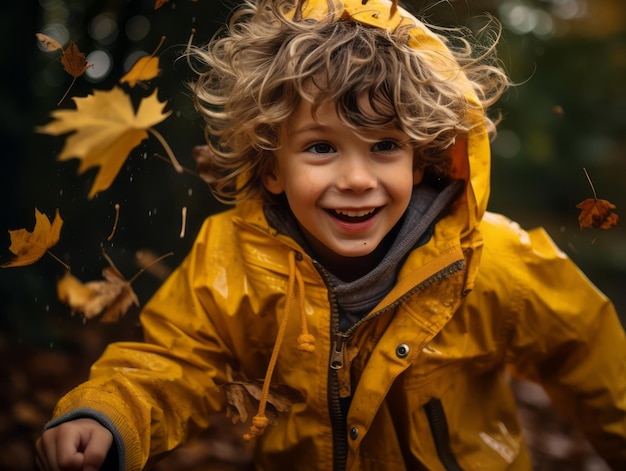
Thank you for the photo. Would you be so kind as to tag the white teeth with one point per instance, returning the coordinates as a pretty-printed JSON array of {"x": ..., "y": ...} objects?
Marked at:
[{"x": 355, "y": 213}]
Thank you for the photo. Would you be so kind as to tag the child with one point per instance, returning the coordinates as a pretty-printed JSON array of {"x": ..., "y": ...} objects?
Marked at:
[{"x": 358, "y": 269}]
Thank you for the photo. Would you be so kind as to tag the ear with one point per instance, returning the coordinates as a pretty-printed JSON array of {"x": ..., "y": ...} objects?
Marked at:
[
  {"x": 418, "y": 175},
  {"x": 272, "y": 183}
]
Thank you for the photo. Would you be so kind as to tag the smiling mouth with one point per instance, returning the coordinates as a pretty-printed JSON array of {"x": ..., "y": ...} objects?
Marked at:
[{"x": 353, "y": 215}]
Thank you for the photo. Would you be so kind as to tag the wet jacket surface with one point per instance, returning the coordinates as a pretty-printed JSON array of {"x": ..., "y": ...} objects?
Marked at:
[{"x": 427, "y": 369}]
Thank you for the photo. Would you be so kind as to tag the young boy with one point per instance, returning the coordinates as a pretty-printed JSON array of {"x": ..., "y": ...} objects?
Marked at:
[{"x": 359, "y": 269}]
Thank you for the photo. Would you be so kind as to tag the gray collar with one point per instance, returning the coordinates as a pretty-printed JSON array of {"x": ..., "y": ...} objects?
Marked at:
[{"x": 357, "y": 298}]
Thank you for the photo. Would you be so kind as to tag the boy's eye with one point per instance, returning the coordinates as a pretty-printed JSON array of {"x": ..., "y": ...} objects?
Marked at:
[
  {"x": 321, "y": 148},
  {"x": 384, "y": 146}
]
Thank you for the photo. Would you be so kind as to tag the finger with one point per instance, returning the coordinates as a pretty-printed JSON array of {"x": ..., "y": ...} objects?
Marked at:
[
  {"x": 97, "y": 448},
  {"x": 41, "y": 461},
  {"x": 69, "y": 448},
  {"x": 49, "y": 451}
]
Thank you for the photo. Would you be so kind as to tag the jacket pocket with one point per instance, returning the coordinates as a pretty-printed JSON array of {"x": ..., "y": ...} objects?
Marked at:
[{"x": 439, "y": 429}]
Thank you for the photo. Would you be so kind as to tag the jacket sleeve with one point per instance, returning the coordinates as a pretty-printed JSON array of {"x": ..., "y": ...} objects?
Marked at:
[
  {"x": 566, "y": 335},
  {"x": 153, "y": 395}
]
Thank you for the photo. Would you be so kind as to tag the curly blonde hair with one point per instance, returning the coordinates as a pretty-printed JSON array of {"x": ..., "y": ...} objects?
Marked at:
[{"x": 252, "y": 76}]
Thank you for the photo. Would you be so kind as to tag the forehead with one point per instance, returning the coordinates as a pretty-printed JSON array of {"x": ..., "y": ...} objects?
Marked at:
[{"x": 322, "y": 111}]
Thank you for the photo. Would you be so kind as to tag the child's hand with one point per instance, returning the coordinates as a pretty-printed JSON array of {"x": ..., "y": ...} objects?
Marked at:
[{"x": 78, "y": 445}]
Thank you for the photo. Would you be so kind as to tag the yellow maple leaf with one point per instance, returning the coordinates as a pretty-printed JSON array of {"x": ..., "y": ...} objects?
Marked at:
[
  {"x": 29, "y": 247},
  {"x": 146, "y": 68},
  {"x": 105, "y": 130}
]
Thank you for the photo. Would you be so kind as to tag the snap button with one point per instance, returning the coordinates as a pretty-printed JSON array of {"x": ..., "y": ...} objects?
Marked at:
[
  {"x": 299, "y": 256},
  {"x": 402, "y": 350},
  {"x": 354, "y": 433}
]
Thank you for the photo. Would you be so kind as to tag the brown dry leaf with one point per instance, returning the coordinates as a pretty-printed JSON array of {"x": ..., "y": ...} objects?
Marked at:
[
  {"x": 74, "y": 64},
  {"x": 109, "y": 298},
  {"x": 146, "y": 68},
  {"x": 49, "y": 44},
  {"x": 596, "y": 213},
  {"x": 29, "y": 247},
  {"x": 159, "y": 3},
  {"x": 74, "y": 61},
  {"x": 106, "y": 129},
  {"x": 243, "y": 400}
]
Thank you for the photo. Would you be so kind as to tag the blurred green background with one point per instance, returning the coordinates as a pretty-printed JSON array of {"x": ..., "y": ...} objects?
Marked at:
[{"x": 568, "y": 112}]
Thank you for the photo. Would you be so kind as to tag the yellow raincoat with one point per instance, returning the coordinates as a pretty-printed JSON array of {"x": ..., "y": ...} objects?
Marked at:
[{"x": 427, "y": 368}]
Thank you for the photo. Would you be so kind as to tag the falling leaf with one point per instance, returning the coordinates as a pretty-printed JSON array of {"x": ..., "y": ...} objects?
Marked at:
[
  {"x": 106, "y": 129},
  {"x": 49, "y": 44},
  {"x": 109, "y": 298},
  {"x": 146, "y": 68},
  {"x": 597, "y": 213},
  {"x": 74, "y": 61},
  {"x": 74, "y": 64},
  {"x": 243, "y": 400},
  {"x": 159, "y": 3},
  {"x": 29, "y": 247}
]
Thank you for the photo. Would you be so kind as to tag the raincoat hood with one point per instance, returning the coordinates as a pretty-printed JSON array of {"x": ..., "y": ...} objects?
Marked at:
[{"x": 470, "y": 154}]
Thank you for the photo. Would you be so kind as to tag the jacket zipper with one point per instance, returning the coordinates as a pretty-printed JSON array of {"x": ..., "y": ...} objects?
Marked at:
[
  {"x": 340, "y": 339},
  {"x": 336, "y": 361},
  {"x": 337, "y": 421},
  {"x": 441, "y": 436},
  {"x": 336, "y": 355}
]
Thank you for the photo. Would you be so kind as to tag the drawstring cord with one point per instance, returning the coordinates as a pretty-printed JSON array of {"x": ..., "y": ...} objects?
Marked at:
[{"x": 305, "y": 343}]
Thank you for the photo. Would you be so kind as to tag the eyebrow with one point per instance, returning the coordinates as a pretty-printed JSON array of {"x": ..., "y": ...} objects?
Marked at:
[{"x": 309, "y": 128}]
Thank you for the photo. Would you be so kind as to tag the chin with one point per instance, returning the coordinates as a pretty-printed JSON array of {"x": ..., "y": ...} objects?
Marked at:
[{"x": 356, "y": 252}]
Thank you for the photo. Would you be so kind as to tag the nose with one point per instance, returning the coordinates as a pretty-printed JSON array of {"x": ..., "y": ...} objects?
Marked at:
[{"x": 356, "y": 173}]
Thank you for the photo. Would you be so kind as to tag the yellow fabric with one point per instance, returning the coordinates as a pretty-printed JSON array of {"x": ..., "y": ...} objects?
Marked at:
[
  {"x": 530, "y": 307},
  {"x": 480, "y": 300}
]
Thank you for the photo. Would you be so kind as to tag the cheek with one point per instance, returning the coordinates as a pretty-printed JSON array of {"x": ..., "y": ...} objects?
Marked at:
[
  {"x": 400, "y": 181},
  {"x": 302, "y": 187}
]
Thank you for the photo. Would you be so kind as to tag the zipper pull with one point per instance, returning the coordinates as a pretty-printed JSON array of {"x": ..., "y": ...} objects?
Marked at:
[{"x": 336, "y": 356}]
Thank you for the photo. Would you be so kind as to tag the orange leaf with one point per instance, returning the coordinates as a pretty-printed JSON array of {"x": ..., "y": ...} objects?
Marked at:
[
  {"x": 243, "y": 399},
  {"x": 109, "y": 298},
  {"x": 146, "y": 68},
  {"x": 74, "y": 61},
  {"x": 159, "y": 3},
  {"x": 29, "y": 247},
  {"x": 597, "y": 213},
  {"x": 106, "y": 129},
  {"x": 49, "y": 44}
]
